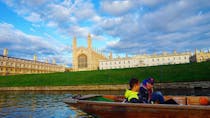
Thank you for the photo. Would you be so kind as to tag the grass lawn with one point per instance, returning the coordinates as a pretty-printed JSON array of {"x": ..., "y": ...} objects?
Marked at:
[{"x": 166, "y": 73}]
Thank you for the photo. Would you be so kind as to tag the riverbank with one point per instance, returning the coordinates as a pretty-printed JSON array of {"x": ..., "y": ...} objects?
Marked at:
[
  {"x": 176, "y": 85},
  {"x": 191, "y": 72}
]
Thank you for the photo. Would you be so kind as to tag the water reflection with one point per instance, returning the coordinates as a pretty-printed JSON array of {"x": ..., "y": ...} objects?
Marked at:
[
  {"x": 49, "y": 104},
  {"x": 36, "y": 105}
]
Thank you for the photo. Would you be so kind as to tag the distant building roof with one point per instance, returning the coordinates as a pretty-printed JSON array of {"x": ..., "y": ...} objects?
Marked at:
[{"x": 27, "y": 60}]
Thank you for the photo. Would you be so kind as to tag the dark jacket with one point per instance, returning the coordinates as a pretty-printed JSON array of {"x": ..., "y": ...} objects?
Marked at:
[{"x": 144, "y": 95}]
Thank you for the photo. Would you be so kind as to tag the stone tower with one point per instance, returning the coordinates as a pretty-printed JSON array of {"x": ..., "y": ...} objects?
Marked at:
[
  {"x": 74, "y": 44},
  {"x": 89, "y": 41},
  {"x": 85, "y": 58},
  {"x": 35, "y": 58},
  {"x": 89, "y": 51},
  {"x": 110, "y": 55},
  {"x": 54, "y": 61},
  {"x": 74, "y": 48},
  {"x": 5, "y": 52}
]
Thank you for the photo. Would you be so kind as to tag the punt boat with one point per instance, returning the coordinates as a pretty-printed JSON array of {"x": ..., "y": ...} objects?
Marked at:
[{"x": 111, "y": 106}]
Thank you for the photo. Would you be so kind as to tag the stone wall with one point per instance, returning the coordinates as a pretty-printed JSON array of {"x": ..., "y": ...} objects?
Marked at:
[
  {"x": 70, "y": 88},
  {"x": 190, "y": 85},
  {"x": 203, "y": 84}
]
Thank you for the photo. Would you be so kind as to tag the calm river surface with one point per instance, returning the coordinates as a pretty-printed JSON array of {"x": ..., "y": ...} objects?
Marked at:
[{"x": 49, "y": 104}]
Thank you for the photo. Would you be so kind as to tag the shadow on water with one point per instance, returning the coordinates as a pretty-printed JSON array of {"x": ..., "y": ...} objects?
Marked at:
[{"x": 49, "y": 104}]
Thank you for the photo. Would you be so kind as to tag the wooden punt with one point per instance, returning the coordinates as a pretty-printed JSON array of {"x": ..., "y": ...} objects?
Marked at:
[{"x": 188, "y": 108}]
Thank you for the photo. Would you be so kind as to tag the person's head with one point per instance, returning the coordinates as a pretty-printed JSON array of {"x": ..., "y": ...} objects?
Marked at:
[
  {"x": 148, "y": 83},
  {"x": 134, "y": 84}
]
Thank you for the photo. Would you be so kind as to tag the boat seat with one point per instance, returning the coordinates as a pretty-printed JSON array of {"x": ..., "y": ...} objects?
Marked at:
[{"x": 181, "y": 100}]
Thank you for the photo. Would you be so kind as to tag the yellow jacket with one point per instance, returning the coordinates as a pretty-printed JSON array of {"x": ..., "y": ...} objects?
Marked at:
[{"x": 131, "y": 94}]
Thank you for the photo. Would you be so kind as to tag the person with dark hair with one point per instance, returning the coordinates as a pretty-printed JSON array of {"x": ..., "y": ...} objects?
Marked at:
[
  {"x": 131, "y": 94},
  {"x": 146, "y": 93}
]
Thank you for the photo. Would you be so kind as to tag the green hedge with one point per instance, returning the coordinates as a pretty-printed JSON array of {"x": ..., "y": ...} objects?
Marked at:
[{"x": 166, "y": 73}]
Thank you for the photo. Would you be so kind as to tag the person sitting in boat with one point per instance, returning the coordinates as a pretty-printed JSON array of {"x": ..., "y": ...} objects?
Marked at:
[
  {"x": 146, "y": 93},
  {"x": 131, "y": 94}
]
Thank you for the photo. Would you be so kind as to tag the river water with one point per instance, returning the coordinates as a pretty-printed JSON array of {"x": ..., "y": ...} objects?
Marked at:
[{"x": 49, "y": 104}]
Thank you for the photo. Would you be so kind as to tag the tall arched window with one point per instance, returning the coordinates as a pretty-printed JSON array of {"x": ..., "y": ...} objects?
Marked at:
[{"x": 82, "y": 61}]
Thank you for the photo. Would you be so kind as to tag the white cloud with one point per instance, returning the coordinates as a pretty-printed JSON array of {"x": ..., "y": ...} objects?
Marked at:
[
  {"x": 147, "y": 25},
  {"x": 33, "y": 17},
  {"x": 176, "y": 25},
  {"x": 98, "y": 37},
  {"x": 84, "y": 10},
  {"x": 58, "y": 12},
  {"x": 149, "y": 2},
  {"x": 96, "y": 18},
  {"x": 113, "y": 43},
  {"x": 52, "y": 24},
  {"x": 79, "y": 31},
  {"x": 122, "y": 7},
  {"x": 116, "y": 7},
  {"x": 25, "y": 45}
]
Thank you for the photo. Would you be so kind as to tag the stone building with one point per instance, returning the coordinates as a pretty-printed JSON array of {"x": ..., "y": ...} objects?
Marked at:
[
  {"x": 200, "y": 56},
  {"x": 85, "y": 58},
  {"x": 117, "y": 63},
  {"x": 145, "y": 60},
  {"x": 166, "y": 59},
  {"x": 13, "y": 66}
]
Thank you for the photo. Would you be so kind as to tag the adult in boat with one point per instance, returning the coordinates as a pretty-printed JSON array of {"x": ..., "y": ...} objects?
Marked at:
[
  {"x": 131, "y": 94},
  {"x": 146, "y": 93}
]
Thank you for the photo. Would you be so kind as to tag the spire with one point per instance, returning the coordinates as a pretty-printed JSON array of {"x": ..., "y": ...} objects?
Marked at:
[
  {"x": 164, "y": 53},
  {"x": 110, "y": 55},
  {"x": 46, "y": 61},
  {"x": 126, "y": 55},
  {"x": 54, "y": 62},
  {"x": 74, "y": 43},
  {"x": 196, "y": 50},
  {"x": 5, "y": 52},
  {"x": 175, "y": 52},
  {"x": 201, "y": 50},
  {"x": 35, "y": 57},
  {"x": 89, "y": 41}
]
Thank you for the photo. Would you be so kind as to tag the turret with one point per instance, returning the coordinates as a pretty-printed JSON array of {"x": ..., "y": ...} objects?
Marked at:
[
  {"x": 74, "y": 43},
  {"x": 35, "y": 58},
  {"x": 46, "y": 61},
  {"x": 54, "y": 62},
  {"x": 110, "y": 55},
  {"x": 196, "y": 51},
  {"x": 126, "y": 56},
  {"x": 164, "y": 53},
  {"x": 5, "y": 53},
  {"x": 89, "y": 41},
  {"x": 175, "y": 52},
  {"x": 201, "y": 50}
]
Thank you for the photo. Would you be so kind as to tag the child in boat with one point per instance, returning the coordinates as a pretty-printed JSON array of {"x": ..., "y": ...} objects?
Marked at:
[
  {"x": 146, "y": 93},
  {"x": 131, "y": 94}
]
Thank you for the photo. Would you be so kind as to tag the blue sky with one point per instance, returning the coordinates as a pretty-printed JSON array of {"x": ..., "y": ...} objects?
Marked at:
[{"x": 46, "y": 27}]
